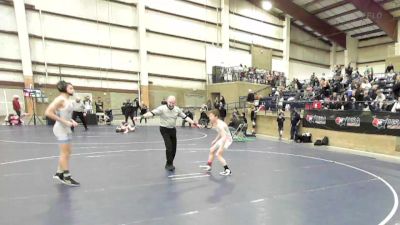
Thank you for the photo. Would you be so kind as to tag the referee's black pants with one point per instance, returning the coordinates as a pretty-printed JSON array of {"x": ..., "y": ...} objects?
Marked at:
[
  {"x": 76, "y": 114},
  {"x": 169, "y": 136}
]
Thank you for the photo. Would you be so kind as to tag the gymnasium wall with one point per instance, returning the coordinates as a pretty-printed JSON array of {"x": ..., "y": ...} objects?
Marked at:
[
  {"x": 250, "y": 25},
  {"x": 307, "y": 54},
  {"x": 89, "y": 43},
  {"x": 95, "y": 43},
  {"x": 374, "y": 52}
]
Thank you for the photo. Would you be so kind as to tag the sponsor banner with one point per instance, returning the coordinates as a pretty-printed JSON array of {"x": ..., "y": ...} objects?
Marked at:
[{"x": 385, "y": 123}]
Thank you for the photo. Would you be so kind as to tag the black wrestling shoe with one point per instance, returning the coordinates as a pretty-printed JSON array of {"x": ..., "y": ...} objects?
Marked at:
[
  {"x": 226, "y": 172},
  {"x": 169, "y": 167},
  {"x": 58, "y": 176},
  {"x": 70, "y": 182}
]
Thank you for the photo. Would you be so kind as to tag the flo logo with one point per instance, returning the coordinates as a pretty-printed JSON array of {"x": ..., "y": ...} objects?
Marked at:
[
  {"x": 340, "y": 121},
  {"x": 379, "y": 123},
  {"x": 316, "y": 119},
  {"x": 386, "y": 123},
  {"x": 348, "y": 121}
]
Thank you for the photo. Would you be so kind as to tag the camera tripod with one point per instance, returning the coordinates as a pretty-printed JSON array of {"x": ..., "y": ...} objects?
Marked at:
[{"x": 34, "y": 117}]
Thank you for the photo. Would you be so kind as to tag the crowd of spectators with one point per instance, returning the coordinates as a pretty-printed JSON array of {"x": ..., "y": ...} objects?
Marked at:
[
  {"x": 349, "y": 91},
  {"x": 252, "y": 75}
]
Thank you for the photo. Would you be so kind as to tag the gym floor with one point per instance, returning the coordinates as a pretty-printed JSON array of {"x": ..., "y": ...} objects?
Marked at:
[{"x": 123, "y": 181}]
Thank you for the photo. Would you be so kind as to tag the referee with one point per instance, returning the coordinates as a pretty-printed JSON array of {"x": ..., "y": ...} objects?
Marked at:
[{"x": 168, "y": 114}]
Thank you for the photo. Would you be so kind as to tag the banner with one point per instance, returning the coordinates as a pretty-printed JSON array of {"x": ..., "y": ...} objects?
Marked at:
[{"x": 384, "y": 123}]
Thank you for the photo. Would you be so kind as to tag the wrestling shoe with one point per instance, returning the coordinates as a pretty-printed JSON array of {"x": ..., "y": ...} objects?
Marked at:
[
  {"x": 226, "y": 172},
  {"x": 206, "y": 168},
  {"x": 70, "y": 182}
]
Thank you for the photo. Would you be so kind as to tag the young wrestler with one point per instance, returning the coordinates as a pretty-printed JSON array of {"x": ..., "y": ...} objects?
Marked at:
[
  {"x": 125, "y": 128},
  {"x": 60, "y": 110},
  {"x": 220, "y": 143}
]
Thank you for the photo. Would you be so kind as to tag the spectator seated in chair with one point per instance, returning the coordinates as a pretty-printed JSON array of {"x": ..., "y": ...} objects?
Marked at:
[{"x": 189, "y": 114}]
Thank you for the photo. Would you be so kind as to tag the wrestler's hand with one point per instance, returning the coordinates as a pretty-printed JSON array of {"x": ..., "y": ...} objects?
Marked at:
[
  {"x": 196, "y": 125},
  {"x": 74, "y": 123}
]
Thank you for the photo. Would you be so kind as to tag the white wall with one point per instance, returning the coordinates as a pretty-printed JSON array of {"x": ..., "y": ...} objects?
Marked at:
[
  {"x": 277, "y": 64},
  {"x": 168, "y": 45},
  {"x": 105, "y": 11},
  {"x": 183, "y": 27},
  {"x": 246, "y": 8},
  {"x": 303, "y": 71},
  {"x": 378, "y": 67},
  {"x": 215, "y": 57},
  {"x": 373, "y": 53},
  {"x": 189, "y": 41},
  {"x": 74, "y": 42},
  {"x": 186, "y": 9}
]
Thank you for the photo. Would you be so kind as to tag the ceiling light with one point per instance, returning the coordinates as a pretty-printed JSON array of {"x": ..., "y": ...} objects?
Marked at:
[{"x": 267, "y": 5}]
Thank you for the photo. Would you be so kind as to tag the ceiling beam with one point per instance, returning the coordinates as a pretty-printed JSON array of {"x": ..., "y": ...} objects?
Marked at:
[
  {"x": 341, "y": 14},
  {"x": 310, "y": 3},
  {"x": 318, "y": 25},
  {"x": 367, "y": 32},
  {"x": 374, "y": 37},
  {"x": 358, "y": 27},
  {"x": 350, "y": 21},
  {"x": 311, "y": 33},
  {"x": 329, "y": 7},
  {"x": 394, "y": 9},
  {"x": 375, "y": 12},
  {"x": 383, "y": 1}
]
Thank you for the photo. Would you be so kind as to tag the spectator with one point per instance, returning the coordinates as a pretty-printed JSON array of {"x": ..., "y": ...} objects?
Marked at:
[
  {"x": 346, "y": 102},
  {"x": 189, "y": 114},
  {"x": 235, "y": 113},
  {"x": 396, "y": 87},
  {"x": 367, "y": 100},
  {"x": 127, "y": 109},
  {"x": 325, "y": 87},
  {"x": 295, "y": 122},
  {"x": 209, "y": 105},
  {"x": 143, "y": 110},
  {"x": 334, "y": 102},
  {"x": 374, "y": 91},
  {"x": 250, "y": 96},
  {"x": 222, "y": 102},
  {"x": 359, "y": 97},
  {"x": 222, "y": 113},
  {"x": 370, "y": 77},
  {"x": 356, "y": 74},
  {"x": 365, "y": 84},
  {"x": 234, "y": 122},
  {"x": 99, "y": 105},
  {"x": 216, "y": 103},
  {"x": 299, "y": 85},
  {"x": 17, "y": 107},
  {"x": 280, "y": 120},
  {"x": 389, "y": 68},
  {"x": 368, "y": 71},
  {"x": 379, "y": 100},
  {"x": 88, "y": 105},
  {"x": 396, "y": 106},
  {"x": 204, "y": 108},
  {"x": 79, "y": 111},
  {"x": 253, "y": 118},
  {"x": 164, "y": 102},
  {"x": 136, "y": 107},
  {"x": 245, "y": 125},
  {"x": 349, "y": 70}
]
